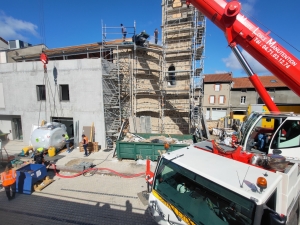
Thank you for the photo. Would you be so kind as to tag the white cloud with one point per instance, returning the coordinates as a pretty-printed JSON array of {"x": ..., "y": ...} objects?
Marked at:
[
  {"x": 220, "y": 71},
  {"x": 233, "y": 64},
  {"x": 231, "y": 61},
  {"x": 11, "y": 28},
  {"x": 152, "y": 40},
  {"x": 247, "y": 6}
]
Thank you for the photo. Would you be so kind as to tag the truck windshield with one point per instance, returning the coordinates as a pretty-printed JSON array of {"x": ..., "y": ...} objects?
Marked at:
[{"x": 200, "y": 200}]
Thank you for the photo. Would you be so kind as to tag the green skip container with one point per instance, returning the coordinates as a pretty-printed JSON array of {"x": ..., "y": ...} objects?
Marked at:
[{"x": 141, "y": 150}]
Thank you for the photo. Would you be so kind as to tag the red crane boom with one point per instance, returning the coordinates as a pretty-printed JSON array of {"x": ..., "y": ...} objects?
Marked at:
[{"x": 239, "y": 30}]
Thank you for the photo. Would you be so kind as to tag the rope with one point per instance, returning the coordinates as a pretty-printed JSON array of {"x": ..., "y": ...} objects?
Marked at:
[
  {"x": 252, "y": 17},
  {"x": 45, "y": 75},
  {"x": 97, "y": 169},
  {"x": 42, "y": 22},
  {"x": 54, "y": 100},
  {"x": 61, "y": 108},
  {"x": 53, "y": 96},
  {"x": 41, "y": 102}
]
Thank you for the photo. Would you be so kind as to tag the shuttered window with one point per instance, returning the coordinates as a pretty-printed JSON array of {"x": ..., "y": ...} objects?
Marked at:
[
  {"x": 212, "y": 99},
  {"x": 222, "y": 99}
]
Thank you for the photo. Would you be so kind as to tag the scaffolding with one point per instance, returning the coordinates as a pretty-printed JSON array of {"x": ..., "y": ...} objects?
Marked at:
[
  {"x": 131, "y": 83},
  {"x": 183, "y": 40},
  {"x": 151, "y": 84},
  {"x": 117, "y": 79}
]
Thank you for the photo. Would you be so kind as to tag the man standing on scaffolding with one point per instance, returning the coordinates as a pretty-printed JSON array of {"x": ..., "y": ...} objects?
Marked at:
[
  {"x": 124, "y": 32},
  {"x": 156, "y": 36}
]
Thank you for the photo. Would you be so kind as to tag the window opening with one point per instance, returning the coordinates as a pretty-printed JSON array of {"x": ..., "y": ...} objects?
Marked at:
[
  {"x": 172, "y": 79},
  {"x": 212, "y": 99},
  {"x": 41, "y": 92},
  {"x": 64, "y": 92},
  {"x": 262, "y": 133},
  {"x": 271, "y": 90},
  {"x": 222, "y": 99},
  {"x": 243, "y": 99},
  {"x": 288, "y": 136}
]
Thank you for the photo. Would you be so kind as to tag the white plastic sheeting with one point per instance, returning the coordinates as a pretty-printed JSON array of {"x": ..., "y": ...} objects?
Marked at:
[{"x": 48, "y": 135}]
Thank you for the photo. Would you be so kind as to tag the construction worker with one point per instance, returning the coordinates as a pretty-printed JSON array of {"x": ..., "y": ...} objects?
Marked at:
[
  {"x": 156, "y": 36},
  {"x": 85, "y": 142},
  {"x": 38, "y": 157},
  {"x": 67, "y": 141},
  {"x": 8, "y": 178},
  {"x": 44, "y": 59},
  {"x": 124, "y": 32}
]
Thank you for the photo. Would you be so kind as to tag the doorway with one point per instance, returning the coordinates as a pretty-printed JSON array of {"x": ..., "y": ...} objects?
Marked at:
[
  {"x": 68, "y": 122},
  {"x": 17, "y": 129}
]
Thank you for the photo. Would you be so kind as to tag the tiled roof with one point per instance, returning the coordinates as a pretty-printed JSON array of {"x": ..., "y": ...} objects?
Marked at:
[
  {"x": 222, "y": 77},
  {"x": 267, "y": 81},
  {"x": 85, "y": 48}
]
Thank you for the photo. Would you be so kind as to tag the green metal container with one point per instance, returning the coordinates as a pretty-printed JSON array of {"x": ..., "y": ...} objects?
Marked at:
[{"x": 141, "y": 150}]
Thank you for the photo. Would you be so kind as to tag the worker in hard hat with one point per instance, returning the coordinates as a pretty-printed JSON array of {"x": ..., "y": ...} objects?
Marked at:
[
  {"x": 67, "y": 141},
  {"x": 85, "y": 142}
]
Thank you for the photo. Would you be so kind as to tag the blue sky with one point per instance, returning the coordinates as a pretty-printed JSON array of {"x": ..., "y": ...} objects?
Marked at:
[{"x": 73, "y": 22}]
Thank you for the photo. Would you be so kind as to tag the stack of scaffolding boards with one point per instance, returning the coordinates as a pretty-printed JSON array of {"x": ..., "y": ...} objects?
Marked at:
[{"x": 92, "y": 147}]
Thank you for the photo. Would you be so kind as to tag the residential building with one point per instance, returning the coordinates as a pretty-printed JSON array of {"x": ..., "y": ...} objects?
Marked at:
[
  {"x": 239, "y": 93},
  {"x": 216, "y": 98},
  {"x": 244, "y": 93}
]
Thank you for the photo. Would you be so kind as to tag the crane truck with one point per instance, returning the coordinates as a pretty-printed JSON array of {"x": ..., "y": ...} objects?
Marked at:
[{"x": 254, "y": 181}]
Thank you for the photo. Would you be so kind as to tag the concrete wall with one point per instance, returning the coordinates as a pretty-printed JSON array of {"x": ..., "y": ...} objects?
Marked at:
[
  {"x": 84, "y": 78},
  {"x": 251, "y": 98},
  {"x": 282, "y": 95}
]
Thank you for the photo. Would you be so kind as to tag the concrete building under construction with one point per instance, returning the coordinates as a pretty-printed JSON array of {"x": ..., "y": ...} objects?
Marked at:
[{"x": 151, "y": 86}]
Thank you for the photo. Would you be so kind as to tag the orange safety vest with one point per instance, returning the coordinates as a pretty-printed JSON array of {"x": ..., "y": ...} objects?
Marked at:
[
  {"x": 85, "y": 140},
  {"x": 8, "y": 178}
]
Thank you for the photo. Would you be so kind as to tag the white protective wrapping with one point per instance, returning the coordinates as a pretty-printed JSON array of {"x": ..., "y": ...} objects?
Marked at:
[{"x": 48, "y": 135}]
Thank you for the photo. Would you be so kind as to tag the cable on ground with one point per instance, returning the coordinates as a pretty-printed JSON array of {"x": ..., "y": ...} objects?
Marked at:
[{"x": 97, "y": 169}]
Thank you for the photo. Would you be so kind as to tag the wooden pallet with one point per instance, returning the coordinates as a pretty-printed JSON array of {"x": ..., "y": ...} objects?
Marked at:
[{"x": 40, "y": 185}]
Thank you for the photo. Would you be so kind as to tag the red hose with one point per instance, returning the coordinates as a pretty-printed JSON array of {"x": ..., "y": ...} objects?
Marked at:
[{"x": 91, "y": 169}]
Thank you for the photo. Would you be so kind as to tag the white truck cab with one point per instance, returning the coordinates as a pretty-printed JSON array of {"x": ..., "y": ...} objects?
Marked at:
[
  {"x": 220, "y": 190},
  {"x": 267, "y": 132}
]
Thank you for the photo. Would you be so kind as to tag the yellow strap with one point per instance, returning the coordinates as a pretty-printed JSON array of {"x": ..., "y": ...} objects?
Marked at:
[{"x": 173, "y": 208}]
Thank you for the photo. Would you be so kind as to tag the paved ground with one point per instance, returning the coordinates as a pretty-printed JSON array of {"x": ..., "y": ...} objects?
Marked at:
[{"x": 91, "y": 199}]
